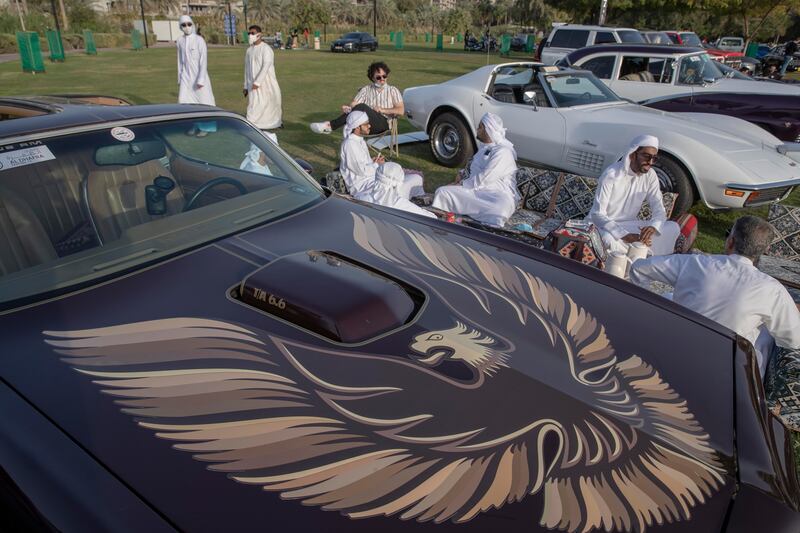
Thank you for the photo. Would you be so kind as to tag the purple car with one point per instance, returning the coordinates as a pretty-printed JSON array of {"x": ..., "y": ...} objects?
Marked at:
[
  {"x": 198, "y": 337},
  {"x": 685, "y": 79}
]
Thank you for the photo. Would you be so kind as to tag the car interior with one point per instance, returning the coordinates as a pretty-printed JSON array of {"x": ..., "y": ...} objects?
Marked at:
[
  {"x": 95, "y": 188},
  {"x": 646, "y": 69},
  {"x": 510, "y": 86}
]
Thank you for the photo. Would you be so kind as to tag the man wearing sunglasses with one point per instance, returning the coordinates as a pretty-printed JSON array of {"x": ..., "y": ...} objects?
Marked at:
[
  {"x": 621, "y": 190},
  {"x": 730, "y": 290},
  {"x": 260, "y": 83},
  {"x": 378, "y": 100},
  {"x": 193, "y": 81}
]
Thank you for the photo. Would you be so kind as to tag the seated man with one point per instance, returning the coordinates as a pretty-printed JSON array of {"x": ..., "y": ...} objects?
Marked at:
[
  {"x": 621, "y": 190},
  {"x": 378, "y": 100},
  {"x": 729, "y": 289},
  {"x": 358, "y": 168},
  {"x": 255, "y": 161},
  {"x": 386, "y": 190},
  {"x": 490, "y": 194}
]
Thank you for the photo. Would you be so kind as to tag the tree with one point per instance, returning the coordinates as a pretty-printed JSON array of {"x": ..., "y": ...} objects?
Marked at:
[
  {"x": 456, "y": 21},
  {"x": 307, "y": 13}
]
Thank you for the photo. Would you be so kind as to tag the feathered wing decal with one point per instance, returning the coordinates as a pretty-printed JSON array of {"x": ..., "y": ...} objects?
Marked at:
[
  {"x": 607, "y": 477},
  {"x": 377, "y": 435}
]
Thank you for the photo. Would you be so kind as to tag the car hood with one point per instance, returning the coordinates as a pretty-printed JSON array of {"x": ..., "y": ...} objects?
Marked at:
[
  {"x": 216, "y": 412},
  {"x": 752, "y": 86}
]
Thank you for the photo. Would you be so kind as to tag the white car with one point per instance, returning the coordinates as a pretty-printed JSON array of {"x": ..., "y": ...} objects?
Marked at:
[
  {"x": 730, "y": 44},
  {"x": 569, "y": 120},
  {"x": 568, "y": 37}
]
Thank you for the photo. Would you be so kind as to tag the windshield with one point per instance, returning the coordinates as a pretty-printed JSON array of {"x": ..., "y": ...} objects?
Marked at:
[
  {"x": 579, "y": 89},
  {"x": 729, "y": 72},
  {"x": 698, "y": 69},
  {"x": 88, "y": 205},
  {"x": 351, "y": 36},
  {"x": 690, "y": 39},
  {"x": 630, "y": 36},
  {"x": 656, "y": 37}
]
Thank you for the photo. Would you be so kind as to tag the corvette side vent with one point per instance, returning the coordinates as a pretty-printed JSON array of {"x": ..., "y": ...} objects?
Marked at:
[
  {"x": 587, "y": 160},
  {"x": 331, "y": 296}
]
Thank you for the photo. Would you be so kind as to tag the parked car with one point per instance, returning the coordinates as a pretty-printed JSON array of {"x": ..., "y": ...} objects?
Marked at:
[
  {"x": 567, "y": 37},
  {"x": 656, "y": 37},
  {"x": 685, "y": 79},
  {"x": 689, "y": 38},
  {"x": 568, "y": 119},
  {"x": 730, "y": 44},
  {"x": 357, "y": 41},
  {"x": 519, "y": 41},
  {"x": 266, "y": 354}
]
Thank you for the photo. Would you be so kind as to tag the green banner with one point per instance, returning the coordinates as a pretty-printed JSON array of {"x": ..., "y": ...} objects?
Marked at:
[
  {"x": 752, "y": 50},
  {"x": 55, "y": 45},
  {"x": 88, "y": 40},
  {"x": 244, "y": 38},
  {"x": 391, "y": 36},
  {"x": 398, "y": 40},
  {"x": 530, "y": 44},
  {"x": 30, "y": 52},
  {"x": 439, "y": 41},
  {"x": 459, "y": 37},
  {"x": 136, "y": 39},
  {"x": 427, "y": 37}
]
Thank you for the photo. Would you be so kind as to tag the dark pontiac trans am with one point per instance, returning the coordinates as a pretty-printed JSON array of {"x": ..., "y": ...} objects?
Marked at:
[{"x": 198, "y": 337}]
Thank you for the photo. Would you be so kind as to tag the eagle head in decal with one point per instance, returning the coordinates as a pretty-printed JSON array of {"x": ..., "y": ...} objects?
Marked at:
[{"x": 375, "y": 435}]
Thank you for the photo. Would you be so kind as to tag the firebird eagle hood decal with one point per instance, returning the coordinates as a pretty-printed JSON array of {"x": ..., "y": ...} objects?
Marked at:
[{"x": 378, "y": 435}]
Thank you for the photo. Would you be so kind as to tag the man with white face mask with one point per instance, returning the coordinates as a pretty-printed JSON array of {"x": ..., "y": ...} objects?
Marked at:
[
  {"x": 386, "y": 190},
  {"x": 357, "y": 167},
  {"x": 193, "y": 81},
  {"x": 490, "y": 194},
  {"x": 260, "y": 83},
  {"x": 621, "y": 190}
]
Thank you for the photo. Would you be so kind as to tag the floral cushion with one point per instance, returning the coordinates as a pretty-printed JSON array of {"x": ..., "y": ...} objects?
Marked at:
[
  {"x": 786, "y": 221},
  {"x": 335, "y": 182}
]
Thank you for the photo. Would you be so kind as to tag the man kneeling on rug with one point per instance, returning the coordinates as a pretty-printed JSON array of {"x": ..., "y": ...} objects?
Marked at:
[
  {"x": 490, "y": 194},
  {"x": 386, "y": 190},
  {"x": 621, "y": 190}
]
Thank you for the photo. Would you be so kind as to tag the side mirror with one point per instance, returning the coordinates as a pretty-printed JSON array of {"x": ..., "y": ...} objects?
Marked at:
[
  {"x": 305, "y": 165},
  {"x": 529, "y": 97}
]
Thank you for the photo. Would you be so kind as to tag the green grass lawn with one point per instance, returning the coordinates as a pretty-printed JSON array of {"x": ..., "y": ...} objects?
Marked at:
[{"x": 313, "y": 83}]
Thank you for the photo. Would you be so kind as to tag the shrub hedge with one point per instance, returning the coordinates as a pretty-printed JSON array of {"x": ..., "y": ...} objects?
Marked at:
[{"x": 72, "y": 41}]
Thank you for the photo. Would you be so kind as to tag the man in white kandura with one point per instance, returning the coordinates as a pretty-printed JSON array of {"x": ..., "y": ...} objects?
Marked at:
[
  {"x": 193, "y": 81},
  {"x": 255, "y": 160},
  {"x": 729, "y": 289},
  {"x": 621, "y": 190},
  {"x": 490, "y": 194},
  {"x": 358, "y": 168},
  {"x": 385, "y": 190},
  {"x": 260, "y": 84}
]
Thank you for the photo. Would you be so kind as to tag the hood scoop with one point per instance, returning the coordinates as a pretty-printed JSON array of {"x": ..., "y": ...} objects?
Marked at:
[{"x": 331, "y": 296}]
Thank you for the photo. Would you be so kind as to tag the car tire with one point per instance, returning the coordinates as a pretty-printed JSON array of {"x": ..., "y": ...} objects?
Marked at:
[
  {"x": 672, "y": 177},
  {"x": 451, "y": 141}
]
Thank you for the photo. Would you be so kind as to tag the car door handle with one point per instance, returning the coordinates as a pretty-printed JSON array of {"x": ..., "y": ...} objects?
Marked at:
[
  {"x": 589, "y": 143},
  {"x": 486, "y": 97}
]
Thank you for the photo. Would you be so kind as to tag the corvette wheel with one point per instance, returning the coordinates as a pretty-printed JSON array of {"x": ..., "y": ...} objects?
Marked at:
[
  {"x": 451, "y": 140},
  {"x": 673, "y": 178}
]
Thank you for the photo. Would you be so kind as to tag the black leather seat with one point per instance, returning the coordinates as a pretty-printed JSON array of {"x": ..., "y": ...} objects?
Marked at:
[
  {"x": 504, "y": 93},
  {"x": 24, "y": 242}
]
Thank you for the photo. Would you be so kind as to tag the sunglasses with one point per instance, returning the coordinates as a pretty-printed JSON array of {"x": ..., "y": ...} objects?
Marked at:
[
  {"x": 648, "y": 158},
  {"x": 379, "y": 77},
  {"x": 186, "y": 25},
  {"x": 252, "y": 32}
]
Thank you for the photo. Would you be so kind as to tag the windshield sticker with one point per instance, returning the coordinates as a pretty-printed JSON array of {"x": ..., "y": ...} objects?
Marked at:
[
  {"x": 694, "y": 58},
  {"x": 123, "y": 134},
  {"x": 26, "y": 156}
]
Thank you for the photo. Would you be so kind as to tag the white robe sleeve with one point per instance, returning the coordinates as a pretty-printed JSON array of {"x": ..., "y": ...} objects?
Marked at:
[
  {"x": 784, "y": 322},
  {"x": 599, "y": 212},
  {"x": 654, "y": 198},
  {"x": 665, "y": 268},
  {"x": 260, "y": 77},
  {"x": 493, "y": 171},
  {"x": 246, "y": 85},
  {"x": 202, "y": 66},
  {"x": 180, "y": 59}
]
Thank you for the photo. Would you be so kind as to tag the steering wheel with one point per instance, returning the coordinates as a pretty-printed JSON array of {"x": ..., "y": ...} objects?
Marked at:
[{"x": 210, "y": 184}]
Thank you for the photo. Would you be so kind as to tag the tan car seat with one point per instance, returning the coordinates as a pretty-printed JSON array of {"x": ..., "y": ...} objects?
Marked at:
[
  {"x": 24, "y": 242},
  {"x": 114, "y": 197}
]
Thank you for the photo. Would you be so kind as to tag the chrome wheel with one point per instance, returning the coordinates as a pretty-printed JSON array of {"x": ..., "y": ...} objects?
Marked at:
[{"x": 447, "y": 141}]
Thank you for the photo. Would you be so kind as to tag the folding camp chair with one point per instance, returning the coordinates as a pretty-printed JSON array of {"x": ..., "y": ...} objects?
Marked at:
[{"x": 380, "y": 138}]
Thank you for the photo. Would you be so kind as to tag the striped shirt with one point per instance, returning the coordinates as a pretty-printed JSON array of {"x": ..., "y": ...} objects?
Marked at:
[{"x": 386, "y": 97}]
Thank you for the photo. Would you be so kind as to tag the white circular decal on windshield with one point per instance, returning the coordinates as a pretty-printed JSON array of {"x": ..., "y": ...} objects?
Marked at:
[{"x": 123, "y": 134}]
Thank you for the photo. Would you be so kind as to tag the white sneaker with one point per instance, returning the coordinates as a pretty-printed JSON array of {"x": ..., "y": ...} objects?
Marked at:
[{"x": 321, "y": 127}]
